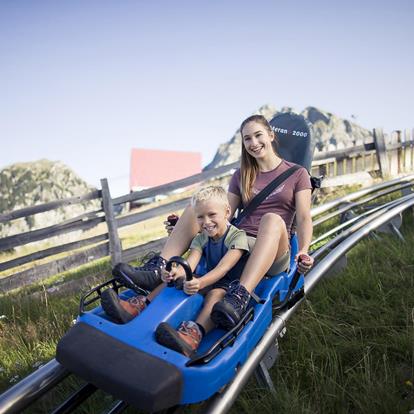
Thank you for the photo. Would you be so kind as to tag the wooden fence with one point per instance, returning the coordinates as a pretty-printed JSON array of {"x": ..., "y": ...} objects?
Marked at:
[
  {"x": 386, "y": 154},
  {"x": 382, "y": 155}
]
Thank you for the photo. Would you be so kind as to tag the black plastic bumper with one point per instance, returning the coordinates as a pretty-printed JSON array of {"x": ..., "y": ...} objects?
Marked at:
[{"x": 140, "y": 379}]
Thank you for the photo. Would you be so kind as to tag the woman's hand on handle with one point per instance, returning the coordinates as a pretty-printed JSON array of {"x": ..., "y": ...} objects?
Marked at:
[
  {"x": 170, "y": 223},
  {"x": 304, "y": 261}
]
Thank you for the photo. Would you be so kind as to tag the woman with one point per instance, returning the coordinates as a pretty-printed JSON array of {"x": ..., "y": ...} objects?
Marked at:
[{"x": 269, "y": 225}]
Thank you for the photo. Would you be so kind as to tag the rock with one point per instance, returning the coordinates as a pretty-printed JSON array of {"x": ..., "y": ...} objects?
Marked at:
[
  {"x": 32, "y": 183},
  {"x": 329, "y": 133}
]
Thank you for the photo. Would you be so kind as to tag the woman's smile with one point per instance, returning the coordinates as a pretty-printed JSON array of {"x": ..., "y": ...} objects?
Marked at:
[{"x": 256, "y": 149}]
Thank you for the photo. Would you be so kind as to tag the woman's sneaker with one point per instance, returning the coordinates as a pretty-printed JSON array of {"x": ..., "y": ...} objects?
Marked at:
[
  {"x": 147, "y": 276},
  {"x": 228, "y": 312},
  {"x": 122, "y": 311},
  {"x": 185, "y": 339}
]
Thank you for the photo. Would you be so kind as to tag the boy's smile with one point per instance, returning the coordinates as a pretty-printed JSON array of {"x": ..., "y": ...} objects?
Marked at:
[{"x": 212, "y": 217}]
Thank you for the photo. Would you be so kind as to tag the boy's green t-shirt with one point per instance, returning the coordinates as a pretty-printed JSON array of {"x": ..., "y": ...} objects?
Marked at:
[{"x": 235, "y": 239}]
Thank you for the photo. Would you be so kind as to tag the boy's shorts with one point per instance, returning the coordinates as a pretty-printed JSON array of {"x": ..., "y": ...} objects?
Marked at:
[
  {"x": 234, "y": 274},
  {"x": 280, "y": 265}
]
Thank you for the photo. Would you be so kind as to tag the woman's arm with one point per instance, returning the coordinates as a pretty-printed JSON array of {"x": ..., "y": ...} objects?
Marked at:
[
  {"x": 304, "y": 225},
  {"x": 303, "y": 219},
  {"x": 234, "y": 201}
]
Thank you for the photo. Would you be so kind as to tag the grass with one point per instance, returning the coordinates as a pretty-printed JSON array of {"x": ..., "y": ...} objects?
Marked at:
[{"x": 349, "y": 348}]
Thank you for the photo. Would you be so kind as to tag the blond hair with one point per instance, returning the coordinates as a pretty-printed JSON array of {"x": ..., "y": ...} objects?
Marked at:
[{"x": 208, "y": 193}]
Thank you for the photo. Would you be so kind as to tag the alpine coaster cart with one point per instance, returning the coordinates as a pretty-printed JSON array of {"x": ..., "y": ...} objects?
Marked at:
[{"x": 127, "y": 362}]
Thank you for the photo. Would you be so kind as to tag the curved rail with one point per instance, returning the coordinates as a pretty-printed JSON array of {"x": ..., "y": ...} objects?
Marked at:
[
  {"x": 21, "y": 395},
  {"x": 359, "y": 224},
  {"x": 29, "y": 389},
  {"x": 316, "y": 211},
  {"x": 353, "y": 220},
  {"x": 221, "y": 403},
  {"x": 361, "y": 202}
]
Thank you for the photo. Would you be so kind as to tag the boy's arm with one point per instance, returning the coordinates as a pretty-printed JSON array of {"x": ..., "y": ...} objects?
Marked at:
[
  {"x": 192, "y": 259},
  {"x": 223, "y": 267}
]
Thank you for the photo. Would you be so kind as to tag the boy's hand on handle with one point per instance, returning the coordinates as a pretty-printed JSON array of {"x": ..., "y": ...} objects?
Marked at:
[
  {"x": 166, "y": 277},
  {"x": 192, "y": 287},
  {"x": 304, "y": 261},
  {"x": 170, "y": 276}
]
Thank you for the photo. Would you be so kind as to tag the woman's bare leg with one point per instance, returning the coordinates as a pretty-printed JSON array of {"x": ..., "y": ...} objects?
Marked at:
[
  {"x": 180, "y": 238},
  {"x": 210, "y": 300},
  {"x": 272, "y": 241}
]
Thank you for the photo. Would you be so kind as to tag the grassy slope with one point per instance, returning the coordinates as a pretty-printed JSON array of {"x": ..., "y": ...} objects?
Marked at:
[{"x": 348, "y": 349}]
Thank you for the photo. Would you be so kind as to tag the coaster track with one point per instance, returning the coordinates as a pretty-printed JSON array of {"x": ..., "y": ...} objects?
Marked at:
[{"x": 347, "y": 235}]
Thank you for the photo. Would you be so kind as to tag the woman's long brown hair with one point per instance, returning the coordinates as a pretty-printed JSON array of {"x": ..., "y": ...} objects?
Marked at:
[{"x": 248, "y": 166}]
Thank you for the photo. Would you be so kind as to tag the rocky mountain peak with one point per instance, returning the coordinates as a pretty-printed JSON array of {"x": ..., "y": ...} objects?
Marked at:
[
  {"x": 329, "y": 133},
  {"x": 31, "y": 183}
]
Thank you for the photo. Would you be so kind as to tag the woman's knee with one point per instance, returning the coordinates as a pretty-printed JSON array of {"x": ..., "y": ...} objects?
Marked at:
[{"x": 272, "y": 220}]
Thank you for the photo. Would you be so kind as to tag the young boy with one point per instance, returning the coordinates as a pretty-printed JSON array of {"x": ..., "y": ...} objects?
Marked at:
[{"x": 224, "y": 248}]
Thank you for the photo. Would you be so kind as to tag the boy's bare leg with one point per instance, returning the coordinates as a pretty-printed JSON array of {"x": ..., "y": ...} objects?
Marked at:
[
  {"x": 272, "y": 242},
  {"x": 210, "y": 300},
  {"x": 180, "y": 238}
]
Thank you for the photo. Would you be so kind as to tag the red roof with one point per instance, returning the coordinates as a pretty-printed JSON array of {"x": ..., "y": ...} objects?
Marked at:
[{"x": 150, "y": 168}]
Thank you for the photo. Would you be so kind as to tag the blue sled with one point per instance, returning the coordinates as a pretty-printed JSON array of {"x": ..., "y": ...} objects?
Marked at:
[{"x": 127, "y": 362}]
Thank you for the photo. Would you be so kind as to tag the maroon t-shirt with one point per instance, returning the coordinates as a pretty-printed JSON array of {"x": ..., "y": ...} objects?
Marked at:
[{"x": 280, "y": 201}]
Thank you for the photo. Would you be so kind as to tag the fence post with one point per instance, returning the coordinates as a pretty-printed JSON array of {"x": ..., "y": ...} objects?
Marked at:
[
  {"x": 412, "y": 149},
  {"x": 381, "y": 152},
  {"x": 393, "y": 142},
  {"x": 115, "y": 248},
  {"x": 407, "y": 152}
]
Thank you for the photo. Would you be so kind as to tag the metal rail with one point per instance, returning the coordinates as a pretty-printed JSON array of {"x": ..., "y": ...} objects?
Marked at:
[
  {"x": 75, "y": 400},
  {"x": 316, "y": 211},
  {"x": 221, "y": 403},
  {"x": 360, "y": 223},
  {"x": 360, "y": 203},
  {"x": 353, "y": 220},
  {"x": 29, "y": 389},
  {"x": 38, "y": 383}
]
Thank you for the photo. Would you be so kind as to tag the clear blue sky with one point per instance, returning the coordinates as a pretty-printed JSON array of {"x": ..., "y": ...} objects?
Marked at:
[{"x": 85, "y": 81}]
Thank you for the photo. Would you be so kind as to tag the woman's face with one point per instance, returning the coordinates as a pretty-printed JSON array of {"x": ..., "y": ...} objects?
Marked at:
[{"x": 257, "y": 140}]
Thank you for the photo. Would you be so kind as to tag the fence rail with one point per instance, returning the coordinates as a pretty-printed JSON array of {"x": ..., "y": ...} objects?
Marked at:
[{"x": 384, "y": 155}]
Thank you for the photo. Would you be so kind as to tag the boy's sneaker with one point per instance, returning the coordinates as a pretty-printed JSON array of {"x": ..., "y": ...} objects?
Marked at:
[
  {"x": 122, "y": 311},
  {"x": 147, "y": 277},
  {"x": 228, "y": 312},
  {"x": 185, "y": 339}
]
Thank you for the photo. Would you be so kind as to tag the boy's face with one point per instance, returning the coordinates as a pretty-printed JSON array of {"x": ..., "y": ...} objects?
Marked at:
[{"x": 212, "y": 217}]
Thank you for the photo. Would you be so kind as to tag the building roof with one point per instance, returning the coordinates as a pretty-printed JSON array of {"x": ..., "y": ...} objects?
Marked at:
[{"x": 150, "y": 168}]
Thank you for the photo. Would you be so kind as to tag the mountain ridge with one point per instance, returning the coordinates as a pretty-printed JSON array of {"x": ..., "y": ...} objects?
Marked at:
[
  {"x": 26, "y": 184},
  {"x": 330, "y": 132}
]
